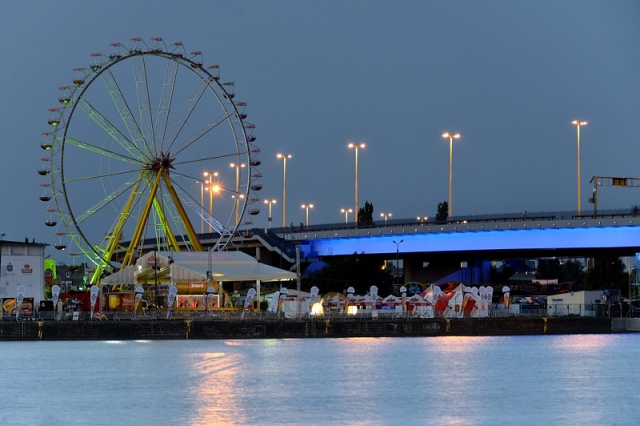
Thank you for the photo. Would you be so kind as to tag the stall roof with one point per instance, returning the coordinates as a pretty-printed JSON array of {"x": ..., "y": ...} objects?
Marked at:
[{"x": 189, "y": 266}]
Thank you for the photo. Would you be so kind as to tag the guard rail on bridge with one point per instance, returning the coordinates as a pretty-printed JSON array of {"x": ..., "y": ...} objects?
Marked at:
[{"x": 611, "y": 217}]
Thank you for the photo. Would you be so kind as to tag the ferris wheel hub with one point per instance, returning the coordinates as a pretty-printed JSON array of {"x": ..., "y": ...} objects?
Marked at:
[{"x": 163, "y": 163}]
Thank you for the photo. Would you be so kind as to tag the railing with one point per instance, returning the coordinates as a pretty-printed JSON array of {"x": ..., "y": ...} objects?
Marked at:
[
  {"x": 470, "y": 219},
  {"x": 495, "y": 311}
]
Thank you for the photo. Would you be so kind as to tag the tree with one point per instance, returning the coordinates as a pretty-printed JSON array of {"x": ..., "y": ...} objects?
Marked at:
[
  {"x": 365, "y": 214},
  {"x": 569, "y": 270},
  {"x": 357, "y": 270},
  {"x": 607, "y": 273},
  {"x": 573, "y": 271},
  {"x": 549, "y": 269},
  {"x": 443, "y": 212}
]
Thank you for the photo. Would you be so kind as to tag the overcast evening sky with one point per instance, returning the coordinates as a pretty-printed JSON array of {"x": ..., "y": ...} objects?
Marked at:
[{"x": 508, "y": 75}]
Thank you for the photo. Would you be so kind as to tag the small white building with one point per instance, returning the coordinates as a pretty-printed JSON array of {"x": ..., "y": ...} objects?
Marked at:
[
  {"x": 581, "y": 303},
  {"x": 21, "y": 264}
]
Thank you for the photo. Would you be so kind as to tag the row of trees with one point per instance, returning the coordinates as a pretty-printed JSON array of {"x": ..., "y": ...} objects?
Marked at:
[
  {"x": 606, "y": 273},
  {"x": 365, "y": 214}
]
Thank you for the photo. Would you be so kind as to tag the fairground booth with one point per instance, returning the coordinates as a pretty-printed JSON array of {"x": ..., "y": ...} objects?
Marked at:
[{"x": 192, "y": 273}]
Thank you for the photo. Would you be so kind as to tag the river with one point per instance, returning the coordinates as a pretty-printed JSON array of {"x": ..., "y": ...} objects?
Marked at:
[{"x": 562, "y": 379}]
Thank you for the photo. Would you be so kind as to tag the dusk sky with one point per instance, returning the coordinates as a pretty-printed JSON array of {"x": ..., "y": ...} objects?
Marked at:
[{"x": 510, "y": 76}]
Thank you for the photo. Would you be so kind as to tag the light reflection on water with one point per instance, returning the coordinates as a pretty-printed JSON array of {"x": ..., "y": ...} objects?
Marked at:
[{"x": 566, "y": 379}]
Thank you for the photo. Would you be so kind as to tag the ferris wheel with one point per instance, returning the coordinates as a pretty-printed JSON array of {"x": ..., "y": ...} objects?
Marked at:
[{"x": 148, "y": 149}]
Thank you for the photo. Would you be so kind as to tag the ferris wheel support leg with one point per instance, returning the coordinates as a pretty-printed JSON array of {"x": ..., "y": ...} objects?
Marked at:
[
  {"x": 166, "y": 228},
  {"x": 193, "y": 237},
  {"x": 128, "y": 257}
]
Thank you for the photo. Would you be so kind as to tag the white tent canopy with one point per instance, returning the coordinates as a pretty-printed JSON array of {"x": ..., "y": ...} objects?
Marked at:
[{"x": 193, "y": 266}]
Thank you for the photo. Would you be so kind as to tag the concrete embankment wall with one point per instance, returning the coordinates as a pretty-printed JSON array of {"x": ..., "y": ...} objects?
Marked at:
[
  {"x": 273, "y": 329},
  {"x": 626, "y": 324}
]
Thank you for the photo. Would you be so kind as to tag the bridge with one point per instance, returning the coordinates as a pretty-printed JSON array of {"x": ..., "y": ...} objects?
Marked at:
[
  {"x": 472, "y": 241},
  {"x": 532, "y": 235}
]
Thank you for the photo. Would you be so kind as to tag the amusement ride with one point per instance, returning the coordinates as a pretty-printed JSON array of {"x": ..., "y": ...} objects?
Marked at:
[{"x": 146, "y": 145}]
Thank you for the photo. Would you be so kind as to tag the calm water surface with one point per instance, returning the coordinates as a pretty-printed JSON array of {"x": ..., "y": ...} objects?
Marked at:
[{"x": 567, "y": 380}]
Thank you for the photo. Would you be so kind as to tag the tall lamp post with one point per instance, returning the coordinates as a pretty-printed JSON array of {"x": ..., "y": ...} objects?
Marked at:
[
  {"x": 397, "y": 258},
  {"x": 210, "y": 189},
  {"x": 356, "y": 147},
  {"x": 451, "y": 138},
  {"x": 346, "y": 214},
  {"x": 237, "y": 194},
  {"x": 307, "y": 207},
  {"x": 579, "y": 124},
  {"x": 385, "y": 216},
  {"x": 269, "y": 202},
  {"x": 284, "y": 158}
]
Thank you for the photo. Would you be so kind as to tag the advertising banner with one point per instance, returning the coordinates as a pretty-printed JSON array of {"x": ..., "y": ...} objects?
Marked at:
[{"x": 9, "y": 306}]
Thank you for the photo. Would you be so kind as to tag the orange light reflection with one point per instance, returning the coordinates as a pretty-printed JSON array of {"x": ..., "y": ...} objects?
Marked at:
[
  {"x": 215, "y": 392},
  {"x": 583, "y": 342}
]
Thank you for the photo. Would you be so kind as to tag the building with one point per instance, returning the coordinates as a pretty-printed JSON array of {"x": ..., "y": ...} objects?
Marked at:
[
  {"x": 21, "y": 264},
  {"x": 581, "y": 303}
]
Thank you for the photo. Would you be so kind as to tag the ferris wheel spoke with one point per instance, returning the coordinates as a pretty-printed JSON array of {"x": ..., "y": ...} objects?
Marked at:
[
  {"x": 144, "y": 103},
  {"x": 186, "y": 112},
  {"x": 101, "y": 176},
  {"x": 200, "y": 133},
  {"x": 111, "y": 130},
  {"x": 198, "y": 208},
  {"x": 191, "y": 179},
  {"x": 168, "y": 86},
  {"x": 205, "y": 159},
  {"x": 110, "y": 198},
  {"x": 123, "y": 108},
  {"x": 104, "y": 152}
]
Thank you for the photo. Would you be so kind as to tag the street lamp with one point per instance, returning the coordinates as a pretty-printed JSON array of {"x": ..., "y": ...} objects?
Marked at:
[
  {"x": 385, "y": 216},
  {"x": 579, "y": 124},
  {"x": 270, "y": 202},
  {"x": 237, "y": 195},
  {"x": 346, "y": 214},
  {"x": 210, "y": 189},
  {"x": 284, "y": 187},
  {"x": 356, "y": 147},
  {"x": 451, "y": 138},
  {"x": 307, "y": 207},
  {"x": 397, "y": 259}
]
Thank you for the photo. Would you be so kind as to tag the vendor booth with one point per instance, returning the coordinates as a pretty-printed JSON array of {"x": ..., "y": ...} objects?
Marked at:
[{"x": 192, "y": 273}]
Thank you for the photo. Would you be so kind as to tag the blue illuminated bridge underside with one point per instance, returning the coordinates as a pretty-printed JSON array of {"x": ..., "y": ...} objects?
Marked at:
[{"x": 581, "y": 237}]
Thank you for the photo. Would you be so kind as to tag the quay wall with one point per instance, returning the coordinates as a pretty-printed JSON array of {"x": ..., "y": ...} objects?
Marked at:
[{"x": 302, "y": 328}]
